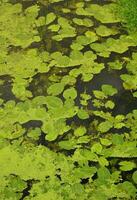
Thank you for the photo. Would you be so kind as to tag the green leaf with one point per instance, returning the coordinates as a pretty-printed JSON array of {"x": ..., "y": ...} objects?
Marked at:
[
  {"x": 109, "y": 90},
  {"x": 104, "y": 31},
  {"x": 103, "y": 175},
  {"x": 99, "y": 94},
  {"x": 82, "y": 114},
  {"x": 109, "y": 104},
  {"x": 70, "y": 93},
  {"x": 50, "y": 18},
  {"x": 135, "y": 94},
  {"x": 68, "y": 144},
  {"x": 35, "y": 133},
  {"x": 55, "y": 89},
  {"x": 117, "y": 139},
  {"x": 127, "y": 165},
  {"x": 85, "y": 172},
  {"x": 54, "y": 27},
  {"x": 96, "y": 148},
  {"x": 76, "y": 46},
  {"x": 91, "y": 36},
  {"x": 103, "y": 161},
  {"x": 134, "y": 177},
  {"x": 80, "y": 131},
  {"x": 105, "y": 142},
  {"x": 117, "y": 65},
  {"x": 105, "y": 126},
  {"x": 83, "y": 139},
  {"x": 53, "y": 102},
  {"x": 130, "y": 189},
  {"x": 104, "y": 13},
  {"x": 83, "y": 22},
  {"x": 80, "y": 4}
]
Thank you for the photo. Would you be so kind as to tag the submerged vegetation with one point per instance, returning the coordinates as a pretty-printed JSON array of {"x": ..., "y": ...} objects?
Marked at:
[{"x": 68, "y": 96}]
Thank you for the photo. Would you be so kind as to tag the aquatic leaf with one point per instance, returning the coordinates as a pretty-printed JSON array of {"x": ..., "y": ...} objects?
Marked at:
[
  {"x": 91, "y": 36},
  {"x": 127, "y": 165},
  {"x": 103, "y": 175},
  {"x": 50, "y": 17},
  {"x": 82, "y": 11},
  {"x": 83, "y": 22},
  {"x": 66, "y": 10},
  {"x": 76, "y": 46},
  {"x": 96, "y": 148},
  {"x": 103, "y": 161},
  {"x": 54, "y": 27},
  {"x": 104, "y": 31},
  {"x": 101, "y": 49},
  {"x": 35, "y": 133},
  {"x": 83, "y": 40},
  {"x": 130, "y": 81},
  {"x": 68, "y": 144},
  {"x": 97, "y": 103},
  {"x": 108, "y": 90},
  {"x": 68, "y": 80},
  {"x": 109, "y": 104},
  {"x": 129, "y": 188},
  {"x": 117, "y": 65},
  {"x": 63, "y": 61},
  {"x": 83, "y": 139},
  {"x": 53, "y": 102},
  {"x": 65, "y": 31},
  {"x": 134, "y": 177},
  {"x": 70, "y": 93},
  {"x": 80, "y": 4},
  {"x": 84, "y": 99},
  {"x": 105, "y": 142},
  {"x": 105, "y": 126},
  {"x": 40, "y": 21},
  {"x": 120, "y": 45},
  {"x": 125, "y": 150},
  {"x": 55, "y": 89},
  {"x": 105, "y": 14},
  {"x": 82, "y": 114},
  {"x": 80, "y": 131},
  {"x": 85, "y": 172},
  {"x": 135, "y": 94},
  {"x": 99, "y": 94},
  {"x": 53, "y": 128}
]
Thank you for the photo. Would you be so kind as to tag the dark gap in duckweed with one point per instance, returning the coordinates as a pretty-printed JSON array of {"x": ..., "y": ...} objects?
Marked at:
[
  {"x": 32, "y": 124},
  {"x": 6, "y": 89},
  {"x": 26, "y": 192},
  {"x": 125, "y": 103}
]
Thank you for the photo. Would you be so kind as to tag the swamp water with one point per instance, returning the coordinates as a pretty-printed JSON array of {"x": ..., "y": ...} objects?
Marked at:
[{"x": 68, "y": 101}]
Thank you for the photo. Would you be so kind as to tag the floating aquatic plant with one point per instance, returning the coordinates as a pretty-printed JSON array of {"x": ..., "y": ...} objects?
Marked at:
[{"x": 60, "y": 137}]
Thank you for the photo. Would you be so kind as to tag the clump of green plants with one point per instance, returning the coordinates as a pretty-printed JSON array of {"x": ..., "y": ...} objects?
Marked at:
[
  {"x": 60, "y": 137},
  {"x": 127, "y": 10}
]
